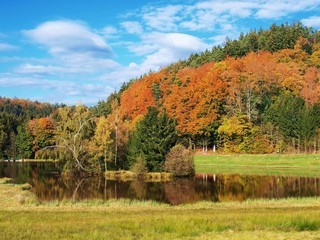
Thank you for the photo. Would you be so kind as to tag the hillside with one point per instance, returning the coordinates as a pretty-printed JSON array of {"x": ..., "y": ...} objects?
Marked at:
[{"x": 253, "y": 101}]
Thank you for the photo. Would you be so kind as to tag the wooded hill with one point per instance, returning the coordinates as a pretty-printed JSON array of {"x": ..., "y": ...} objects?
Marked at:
[{"x": 257, "y": 94}]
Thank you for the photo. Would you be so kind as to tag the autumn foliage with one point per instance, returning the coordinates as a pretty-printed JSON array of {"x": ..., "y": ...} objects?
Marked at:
[
  {"x": 241, "y": 88},
  {"x": 257, "y": 94}
]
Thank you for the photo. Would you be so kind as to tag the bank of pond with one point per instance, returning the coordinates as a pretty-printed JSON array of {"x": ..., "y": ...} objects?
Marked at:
[{"x": 49, "y": 185}]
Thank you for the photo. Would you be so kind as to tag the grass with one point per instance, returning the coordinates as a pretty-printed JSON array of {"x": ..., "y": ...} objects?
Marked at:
[
  {"x": 126, "y": 219},
  {"x": 307, "y": 165},
  {"x": 123, "y": 175},
  {"x": 30, "y": 160},
  {"x": 13, "y": 195}
]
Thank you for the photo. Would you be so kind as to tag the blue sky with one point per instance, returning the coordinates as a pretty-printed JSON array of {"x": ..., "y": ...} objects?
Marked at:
[{"x": 71, "y": 51}]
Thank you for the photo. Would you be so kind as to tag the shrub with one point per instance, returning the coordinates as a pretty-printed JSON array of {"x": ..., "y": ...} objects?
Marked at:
[
  {"x": 179, "y": 161},
  {"x": 140, "y": 166}
]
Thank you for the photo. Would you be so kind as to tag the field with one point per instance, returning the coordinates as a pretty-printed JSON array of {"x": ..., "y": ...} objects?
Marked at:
[
  {"x": 22, "y": 217},
  {"x": 307, "y": 165}
]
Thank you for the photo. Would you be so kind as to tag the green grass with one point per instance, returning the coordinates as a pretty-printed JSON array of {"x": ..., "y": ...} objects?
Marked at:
[
  {"x": 286, "y": 165},
  {"x": 126, "y": 219}
]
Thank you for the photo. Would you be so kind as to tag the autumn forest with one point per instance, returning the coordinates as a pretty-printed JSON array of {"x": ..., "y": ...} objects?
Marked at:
[{"x": 257, "y": 94}]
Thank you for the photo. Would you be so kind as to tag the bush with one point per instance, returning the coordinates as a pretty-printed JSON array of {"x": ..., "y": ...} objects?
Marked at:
[
  {"x": 140, "y": 166},
  {"x": 179, "y": 161}
]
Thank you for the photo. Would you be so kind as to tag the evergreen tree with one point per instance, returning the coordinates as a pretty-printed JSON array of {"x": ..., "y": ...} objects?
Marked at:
[
  {"x": 295, "y": 120},
  {"x": 12, "y": 146},
  {"x": 153, "y": 138},
  {"x": 24, "y": 142},
  {"x": 3, "y": 140}
]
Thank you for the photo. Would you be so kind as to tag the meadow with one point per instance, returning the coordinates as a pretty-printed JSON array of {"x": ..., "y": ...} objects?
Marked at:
[
  {"x": 307, "y": 165},
  {"x": 23, "y": 217}
]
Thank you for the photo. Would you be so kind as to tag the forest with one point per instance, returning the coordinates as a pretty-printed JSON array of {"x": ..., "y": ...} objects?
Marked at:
[{"x": 257, "y": 94}]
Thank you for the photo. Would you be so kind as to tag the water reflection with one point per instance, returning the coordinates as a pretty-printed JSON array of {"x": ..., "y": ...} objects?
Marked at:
[{"x": 48, "y": 185}]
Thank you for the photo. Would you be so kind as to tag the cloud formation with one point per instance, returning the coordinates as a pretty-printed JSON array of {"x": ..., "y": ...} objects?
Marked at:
[
  {"x": 132, "y": 27},
  {"x": 313, "y": 21},
  {"x": 65, "y": 37},
  {"x": 170, "y": 47},
  {"x": 7, "y": 47},
  {"x": 56, "y": 90}
]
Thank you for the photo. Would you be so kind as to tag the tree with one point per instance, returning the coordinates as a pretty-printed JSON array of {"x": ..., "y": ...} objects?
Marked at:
[
  {"x": 120, "y": 129},
  {"x": 24, "y": 142},
  {"x": 153, "y": 138},
  {"x": 102, "y": 142},
  {"x": 43, "y": 133},
  {"x": 8, "y": 127},
  {"x": 74, "y": 133},
  {"x": 195, "y": 100},
  {"x": 12, "y": 147},
  {"x": 296, "y": 121},
  {"x": 315, "y": 57},
  {"x": 3, "y": 140},
  {"x": 232, "y": 132}
]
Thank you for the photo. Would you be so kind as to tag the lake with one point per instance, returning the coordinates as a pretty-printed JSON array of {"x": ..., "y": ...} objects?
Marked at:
[{"x": 49, "y": 185}]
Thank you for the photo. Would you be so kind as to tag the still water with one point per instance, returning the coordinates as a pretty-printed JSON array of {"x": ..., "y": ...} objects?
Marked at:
[{"x": 49, "y": 185}]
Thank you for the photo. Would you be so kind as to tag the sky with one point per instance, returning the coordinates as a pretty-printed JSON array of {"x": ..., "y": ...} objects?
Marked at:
[{"x": 71, "y": 51}]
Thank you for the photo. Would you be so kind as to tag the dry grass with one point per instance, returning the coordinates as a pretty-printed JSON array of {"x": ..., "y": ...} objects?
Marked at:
[{"x": 129, "y": 176}]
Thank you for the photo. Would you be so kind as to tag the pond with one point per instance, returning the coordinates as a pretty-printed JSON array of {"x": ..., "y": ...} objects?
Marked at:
[{"x": 49, "y": 185}]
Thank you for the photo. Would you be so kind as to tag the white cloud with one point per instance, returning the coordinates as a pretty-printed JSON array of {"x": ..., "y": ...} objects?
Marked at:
[
  {"x": 163, "y": 18},
  {"x": 7, "y": 47},
  {"x": 70, "y": 65},
  {"x": 176, "y": 41},
  {"x": 313, "y": 21},
  {"x": 273, "y": 9},
  {"x": 78, "y": 58},
  {"x": 28, "y": 68},
  {"x": 64, "y": 37},
  {"x": 109, "y": 30},
  {"x": 132, "y": 27},
  {"x": 179, "y": 44},
  {"x": 158, "y": 50},
  {"x": 58, "y": 91},
  {"x": 74, "y": 47},
  {"x": 235, "y": 8}
]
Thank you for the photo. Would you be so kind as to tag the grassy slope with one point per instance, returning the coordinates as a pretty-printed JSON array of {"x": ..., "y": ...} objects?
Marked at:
[
  {"x": 284, "y": 219},
  {"x": 286, "y": 165}
]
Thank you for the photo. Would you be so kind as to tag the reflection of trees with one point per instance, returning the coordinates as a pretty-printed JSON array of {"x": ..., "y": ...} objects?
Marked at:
[
  {"x": 206, "y": 188},
  {"x": 138, "y": 189},
  {"x": 181, "y": 190},
  {"x": 241, "y": 187},
  {"x": 74, "y": 195},
  {"x": 48, "y": 185}
]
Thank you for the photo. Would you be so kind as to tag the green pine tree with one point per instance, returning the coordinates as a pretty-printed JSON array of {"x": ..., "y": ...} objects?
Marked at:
[
  {"x": 24, "y": 142},
  {"x": 153, "y": 138}
]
